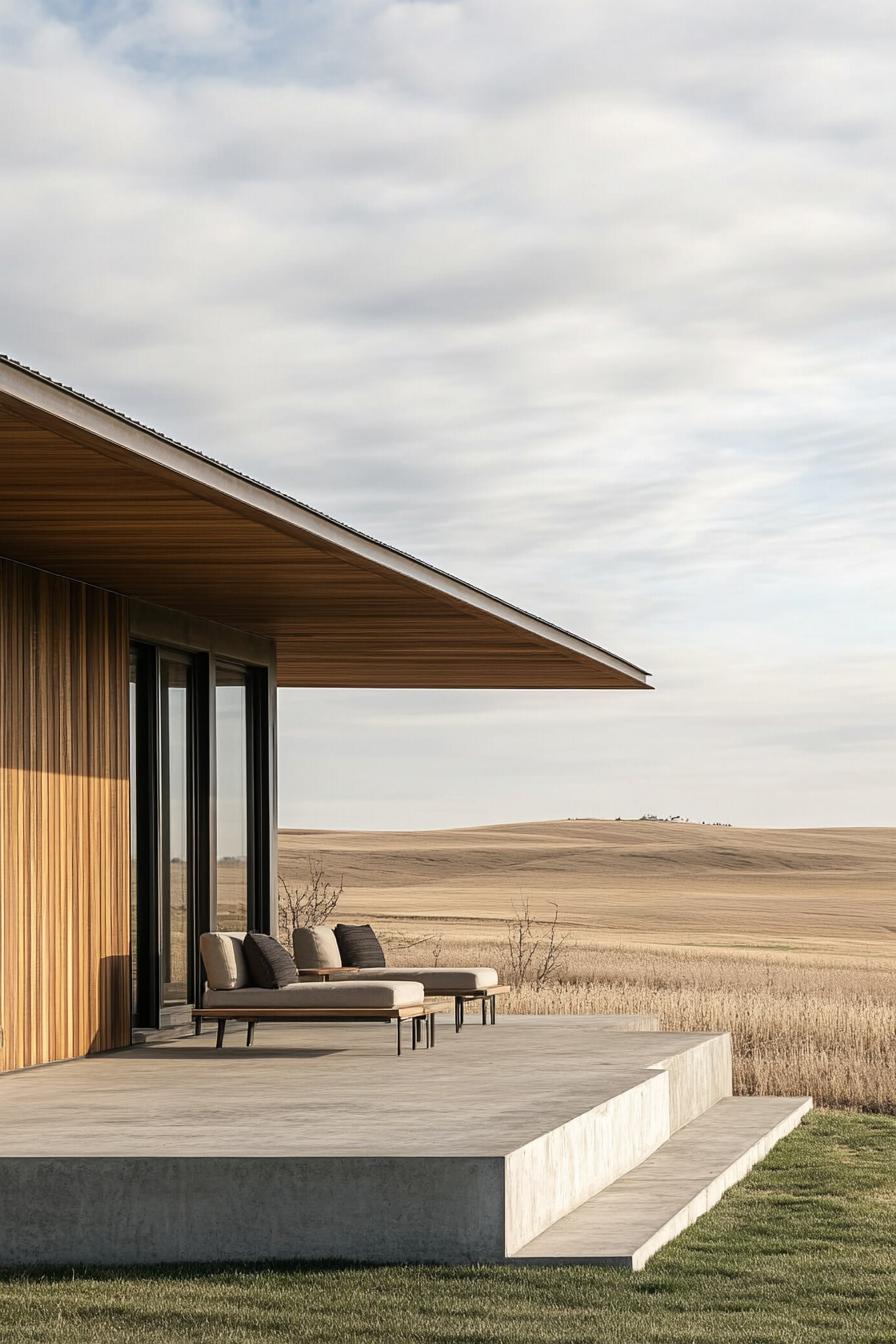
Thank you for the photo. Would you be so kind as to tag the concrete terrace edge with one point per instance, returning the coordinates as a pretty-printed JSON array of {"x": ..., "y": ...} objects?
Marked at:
[
  {"x": 277, "y": 1209},
  {"x": 561, "y": 1169}
]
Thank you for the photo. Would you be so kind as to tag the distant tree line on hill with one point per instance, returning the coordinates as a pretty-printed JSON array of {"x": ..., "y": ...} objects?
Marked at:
[{"x": 651, "y": 816}]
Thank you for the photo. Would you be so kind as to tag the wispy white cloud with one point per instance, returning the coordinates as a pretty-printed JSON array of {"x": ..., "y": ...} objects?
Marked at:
[{"x": 594, "y": 307}]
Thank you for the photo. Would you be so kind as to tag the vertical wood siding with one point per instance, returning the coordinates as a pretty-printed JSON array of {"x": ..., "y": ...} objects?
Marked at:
[{"x": 64, "y": 821}]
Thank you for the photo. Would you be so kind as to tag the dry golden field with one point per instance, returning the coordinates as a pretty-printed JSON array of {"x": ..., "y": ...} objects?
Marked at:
[{"x": 787, "y": 938}]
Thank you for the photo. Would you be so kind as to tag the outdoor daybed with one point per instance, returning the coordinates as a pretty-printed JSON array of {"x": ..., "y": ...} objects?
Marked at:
[
  {"x": 252, "y": 979},
  {"x": 348, "y": 950}
]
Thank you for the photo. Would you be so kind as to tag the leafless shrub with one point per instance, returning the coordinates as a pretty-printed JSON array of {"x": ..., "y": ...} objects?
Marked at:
[
  {"x": 313, "y": 904},
  {"x": 400, "y": 945},
  {"x": 536, "y": 950}
]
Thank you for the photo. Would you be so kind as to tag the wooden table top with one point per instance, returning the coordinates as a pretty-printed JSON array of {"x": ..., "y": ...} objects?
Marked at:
[{"x": 321, "y": 971}]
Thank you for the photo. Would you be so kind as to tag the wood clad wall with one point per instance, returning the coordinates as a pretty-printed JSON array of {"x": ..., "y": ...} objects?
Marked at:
[{"x": 64, "y": 819}]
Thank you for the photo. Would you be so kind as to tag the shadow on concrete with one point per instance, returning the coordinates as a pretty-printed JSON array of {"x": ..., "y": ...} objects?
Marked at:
[{"x": 230, "y": 1050}]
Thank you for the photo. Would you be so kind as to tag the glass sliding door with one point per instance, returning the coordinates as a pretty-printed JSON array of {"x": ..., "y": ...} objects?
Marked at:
[
  {"x": 176, "y": 827},
  {"x": 199, "y": 762},
  {"x": 163, "y": 812},
  {"x": 232, "y": 798}
]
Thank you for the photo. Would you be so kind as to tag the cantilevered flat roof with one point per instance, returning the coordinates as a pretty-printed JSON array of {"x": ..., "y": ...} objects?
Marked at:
[{"x": 90, "y": 494}]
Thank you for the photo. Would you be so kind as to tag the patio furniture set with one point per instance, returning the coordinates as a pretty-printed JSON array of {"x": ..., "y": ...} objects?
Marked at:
[{"x": 334, "y": 975}]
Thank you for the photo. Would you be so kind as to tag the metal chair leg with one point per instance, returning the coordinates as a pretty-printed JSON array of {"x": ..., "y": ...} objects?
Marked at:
[
  {"x": 484, "y": 1016},
  {"x": 250, "y": 1033},
  {"x": 222, "y": 1023},
  {"x": 493, "y": 1001},
  {"x": 432, "y": 1032},
  {"x": 197, "y": 1026},
  {"x": 458, "y": 1011},
  {"x": 398, "y": 1033}
]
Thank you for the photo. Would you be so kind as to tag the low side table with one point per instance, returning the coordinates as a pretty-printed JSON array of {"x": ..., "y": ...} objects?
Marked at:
[
  {"x": 324, "y": 972},
  {"x": 431, "y": 1005},
  {"x": 485, "y": 996}
]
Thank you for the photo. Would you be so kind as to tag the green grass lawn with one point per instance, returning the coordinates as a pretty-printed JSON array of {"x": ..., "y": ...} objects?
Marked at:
[{"x": 803, "y": 1250}]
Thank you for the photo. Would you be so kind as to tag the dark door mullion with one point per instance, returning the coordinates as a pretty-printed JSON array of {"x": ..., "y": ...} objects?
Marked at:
[
  {"x": 146, "y": 827},
  {"x": 164, "y": 885}
]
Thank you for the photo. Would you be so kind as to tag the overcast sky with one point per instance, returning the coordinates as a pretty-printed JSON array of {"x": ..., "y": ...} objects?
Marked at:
[{"x": 591, "y": 304}]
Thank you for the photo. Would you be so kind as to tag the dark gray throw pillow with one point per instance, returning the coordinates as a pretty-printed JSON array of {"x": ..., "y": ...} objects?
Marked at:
[
  {"x": 270, "y": 965},
  {"x": 359, "y": 945}
]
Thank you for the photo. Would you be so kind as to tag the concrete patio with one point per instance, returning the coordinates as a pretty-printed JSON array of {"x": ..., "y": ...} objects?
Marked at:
[{"x": 505, "y": 1142}]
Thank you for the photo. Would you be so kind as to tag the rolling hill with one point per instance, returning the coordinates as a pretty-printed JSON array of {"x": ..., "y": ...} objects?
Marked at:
[{"x": 814, "y": 890}]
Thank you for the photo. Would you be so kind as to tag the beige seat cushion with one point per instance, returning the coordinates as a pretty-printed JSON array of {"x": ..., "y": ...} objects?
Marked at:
[
  {"x": 224, "y": 960},
  {"x": 315, "y": 947},
  {"x": 439, "y": 979},
  {"x": 339, "y": 994}
]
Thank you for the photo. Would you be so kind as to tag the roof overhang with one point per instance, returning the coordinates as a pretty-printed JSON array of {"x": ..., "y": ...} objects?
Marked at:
[{"x": 87, "y": 493}]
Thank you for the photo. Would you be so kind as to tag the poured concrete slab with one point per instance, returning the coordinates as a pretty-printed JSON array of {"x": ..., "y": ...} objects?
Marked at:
[
  {"x": 300, "y": 1090},
  {"x": 319, "y": 1142}
]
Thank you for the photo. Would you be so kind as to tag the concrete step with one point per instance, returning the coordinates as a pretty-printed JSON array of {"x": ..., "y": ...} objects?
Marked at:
[
  {"x": 653, "y": 1084},
  {"x": 627, "y": 1222}
]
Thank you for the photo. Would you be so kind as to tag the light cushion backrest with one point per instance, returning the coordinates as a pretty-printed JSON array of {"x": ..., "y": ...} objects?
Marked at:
[
  {"x": 315, "y": 947},
  {"x": 224, "y": 960}
]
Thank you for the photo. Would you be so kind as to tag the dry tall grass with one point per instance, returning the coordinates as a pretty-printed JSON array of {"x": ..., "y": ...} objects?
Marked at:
[{"x": 799, "y": 1026}]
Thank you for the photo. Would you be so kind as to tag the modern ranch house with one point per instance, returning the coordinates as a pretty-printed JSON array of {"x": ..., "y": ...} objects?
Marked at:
[{"x": 151, "y": 601}]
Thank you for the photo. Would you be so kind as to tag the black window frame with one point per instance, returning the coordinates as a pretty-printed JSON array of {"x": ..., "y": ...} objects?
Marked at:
[
  {"x": 257, "y": 798},
  {"x": 194, "y": 747}
]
